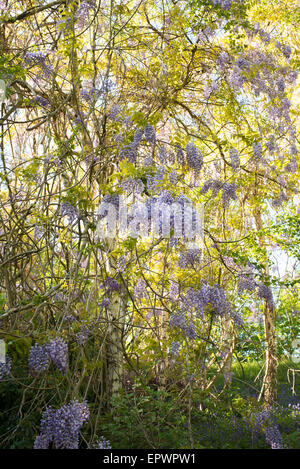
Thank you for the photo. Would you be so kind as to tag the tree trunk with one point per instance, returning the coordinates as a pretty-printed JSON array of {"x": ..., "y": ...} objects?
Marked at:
[
  {"x": 269, "y": 387},
  {"x": 115, "y": 324},
  {"x": 114, "y": 358},
  {"x": 270, "y": 378},
  {"x": 227, "y": 351}
]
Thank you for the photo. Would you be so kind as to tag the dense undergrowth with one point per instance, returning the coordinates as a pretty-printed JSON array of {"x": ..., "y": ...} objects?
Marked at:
[{"x": 147, "y": 416}]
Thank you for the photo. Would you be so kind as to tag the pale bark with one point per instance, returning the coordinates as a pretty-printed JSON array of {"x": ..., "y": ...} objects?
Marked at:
[
  {"x": 227, "y": 350},
  {"x": 114, "y": 350},
  {"x": 115, "y": 325},
  {"x": 269, "y": 387}
]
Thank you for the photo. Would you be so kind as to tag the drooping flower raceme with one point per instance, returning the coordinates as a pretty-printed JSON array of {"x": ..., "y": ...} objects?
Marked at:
[
  {"x": 189, "y": 258},
  {"x": 194, "y": 157},
  {"x": 39, "y": 359},
  {"x": 210, "y": 299},
  {"x": 140, "y": 290},
  {"x": 55, "y": 351},
  {"x": 273, "y": 437},
  {"x": 102, "y": 443},
  {"x": 246, "y": 283},
  {"x": 68, "y": 210},
  {"x": 265, "y": 292},
  {"x": 234, "y": 157},
  {"x": 5, "y": 368},
  {"x": 150, "y": 134},
  {"x": 58, "y": 353},
  {"x": 60, "y": 428}
]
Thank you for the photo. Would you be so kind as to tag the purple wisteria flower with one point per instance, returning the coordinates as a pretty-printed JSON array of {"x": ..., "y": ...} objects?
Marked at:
[
  {"x": 194, "y": 157},
  {"x": 110, "y": 284},
  {"x": 39, "y": 59},
  {"x": 150, "y": 135},
  {"x": 229, "y": 193},
  {"x": 42, "y": 101},
  {"x": 265, "y": 292},
  {"x": 5, "y": 367},
  {"x": 39, "y": 359},
  {"x": 173, "y": 291},
  {"x": 121, "y": 264},
  {"x": 265, "y": 422},
  {"x": 285, "y": 49},
  {"x": 114, "y": 112},
  {"x": 175, "y": 348},
  {"x": 236, "y": 80},
  {"x": 105, "y": 302},
  {"x": 246, "y": 283},
  {"x": 82, "y": 13},
  {"x": 224, "y": 4},
  {"x": 279, "y": 200},
  {"x": 213, "y": 185},
  {"x": 155, "y": 182},
  {"x": 173, "y": 177},
  {"x": 292, "y": 166},
  {"x": 189, "y": 258},
  {"x": 68, "y": 210},
  {"x": 132, "y": 186},
  {"x": 257, "y": 150},
  {"x": 180, "y": 157},
  {"x": 60, "y": 428},
  {"x": 234, "y": 158},
  {"x": 138, "y": 135},
  {"x": 162, "y": 155},
  {"x": 210, "y": 299},
  {"x": 273, "y": 437},
  {"x": 102, "y": 443},
  {"x": 179, "y": 320},
  {"x": 58, "y": 353},
  {"x": 223, "y": 60},
  {"x": 82, "y": 336},
  {"x": 55, "y": 351},
  {"x": 129, "y": 152},
  {"x": 140, "y": 290}
]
